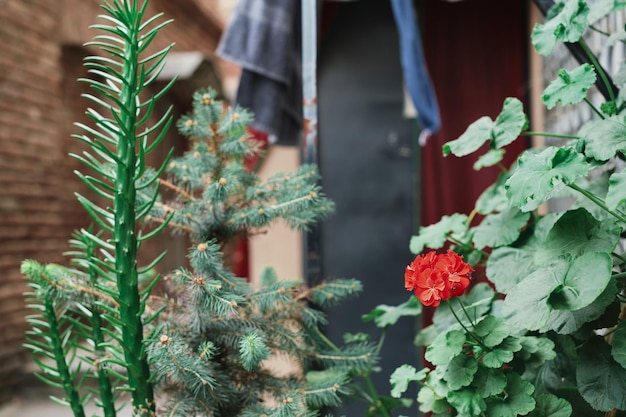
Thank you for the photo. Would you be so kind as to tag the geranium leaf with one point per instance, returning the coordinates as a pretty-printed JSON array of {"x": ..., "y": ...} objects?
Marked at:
[
  {"x": 500, "y": 229},
  {"x": 616, "y": 196},
  {"x": 536, "y": 350},
  {"x": 496, "y": 358},
  {"x": 539, "y": 175},
  {"x": 509, "y": 123},
  {"x": 569, "y": 87},
  {"x": 526, "y": 304},
  {"x": 618, "y": 349},
  {"x": 429, "y": 401},
  {"x": 425, "y": 336},
  {"x": 492, "y": 330},
  {"x": 600, "y": 380},
  {"x": 402, "y": 376},
  {"x": 460, "y": 371},
  {"x": 507, "y": 266},
  {"x": 511, "y": 344},
  {"x": 467, "y": 402},
  {"x": 493, "y": 199},
  {"x": 549, "y": 405},
  {"x": 518, "y": 401},
  {"x": 488, "y": 382},
  {"x": 445, "y": 346},
  {"x": 597, "y": 185},
  {"x": 602, "y": 139},
  {"x": 492, "y": 157},
  {"x": 577, "y": 232},
  {"x": 601, "y": 8},
  {"x": 473, "y": 138},
  {"x": 384, "y": 315},
  {"x": 506, "y": 128},
  {"x": 435, "y": 235},
  {"x": 587, "y": 277},
  {"x": 566, "y": 322},
  {"x": 574, "y": 232},
  {"x": 567, "y": 25}
]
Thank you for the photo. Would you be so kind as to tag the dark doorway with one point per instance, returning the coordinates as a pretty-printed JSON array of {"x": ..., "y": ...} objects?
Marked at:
[{"x": 368, "y": 167}]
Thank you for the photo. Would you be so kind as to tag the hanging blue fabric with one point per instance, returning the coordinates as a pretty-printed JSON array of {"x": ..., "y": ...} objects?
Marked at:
[
  {"x": 263, "y": 37},
  {"x": 416, "y": 77}
]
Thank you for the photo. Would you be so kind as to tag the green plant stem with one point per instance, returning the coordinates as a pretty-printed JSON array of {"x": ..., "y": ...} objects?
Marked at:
[
  {"x": 549, "y": 135},
  {"x": 372, "y": 390},
  {"x": 619, "y": 276},
  {"x": 104, "y": 382},
  {"x": 599, "y": 69},
  {"x": 468, "y": 246},
  {"x": 375, "y": 399},
  {"x": 595, "y": 29},
  {"x": 124, "y": 231},
  {"x": 597, "y": 201},
  {"x": 466, "y": 314},
  {"x": 595, "y": 110},
  {"x": 72, "y": 396},
  {"x": 467, "y": 331}
]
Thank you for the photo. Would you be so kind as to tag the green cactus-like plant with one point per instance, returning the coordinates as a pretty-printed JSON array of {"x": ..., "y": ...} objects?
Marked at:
[{"x": 201, "y": 348}]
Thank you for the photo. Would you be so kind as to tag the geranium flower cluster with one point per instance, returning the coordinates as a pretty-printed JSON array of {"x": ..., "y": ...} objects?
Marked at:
[{"x": 435, "y": 277}]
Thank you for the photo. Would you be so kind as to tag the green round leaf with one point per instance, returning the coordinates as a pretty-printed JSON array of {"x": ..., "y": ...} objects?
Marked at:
[
  {"x": 616, "y": 196},
  {"x": 492, "y": 330},
  {"x": 473, "y": 138},
  {"x": 566, "y": 322},
  {"x": 506, "y": 128},
  {"x": 509, "y": 123},
  {"x": 500, "y": 229},
  {"x": 601, "y": 381},
  {"x": 567, "y": 25},
  {"x": 445, "y": 346},
  {"x": 526, "y": 305},
  {"x": 496, "y": 358},
  {"x": 518, "y": 401},
  {"x": 601, "y": 139},
  {"x": 492, "y": 157},
  {"x": 436, "y": 235},
  {"x": 577, "y": 232},
  {"x": 402, "y": 376},
  {"x": 539, "y": 175},
  {"x": 549, "y": 405},
  {"x": 488, "y": 382},
  {"x": 429, "y": 401},
  {"x": 460, "y": 371},
  {"x": 384, "y": 315},
  {"x": 569, "y": 87},
  {"x": 467, "y": 402},
  {"x": 586, "y": 278}
]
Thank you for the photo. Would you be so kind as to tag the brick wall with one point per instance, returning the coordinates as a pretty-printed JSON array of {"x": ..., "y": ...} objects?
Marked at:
[{"x": 40, "y": 57}]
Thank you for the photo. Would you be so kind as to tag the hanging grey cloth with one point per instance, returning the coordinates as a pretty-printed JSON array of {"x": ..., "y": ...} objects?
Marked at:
[
  {"x": 263, "y": 37},
  {"x": 415, "y": 73}
]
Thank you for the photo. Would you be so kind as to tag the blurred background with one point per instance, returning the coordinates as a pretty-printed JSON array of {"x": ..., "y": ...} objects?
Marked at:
[{"x": 385, "y": 185}]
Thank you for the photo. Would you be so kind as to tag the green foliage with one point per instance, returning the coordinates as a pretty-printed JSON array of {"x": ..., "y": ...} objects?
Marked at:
[
  {"x": 217, "y": 335},
  {"x": 102, "y": 300},
  {"x": 206, "y": 345},
  {"x": 569, "y": 87},
  {"x": 550, "y": 340}
]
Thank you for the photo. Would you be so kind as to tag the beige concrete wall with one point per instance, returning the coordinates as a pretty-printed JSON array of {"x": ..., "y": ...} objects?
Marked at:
[{"x": 280, "y": 247}]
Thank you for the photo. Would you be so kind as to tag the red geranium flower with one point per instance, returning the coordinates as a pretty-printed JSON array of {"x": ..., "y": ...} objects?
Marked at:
[{"x": 434, "y": 277}]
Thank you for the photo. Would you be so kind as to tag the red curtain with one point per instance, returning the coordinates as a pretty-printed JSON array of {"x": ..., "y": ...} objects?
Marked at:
[{"x": 476, "y": 54}]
